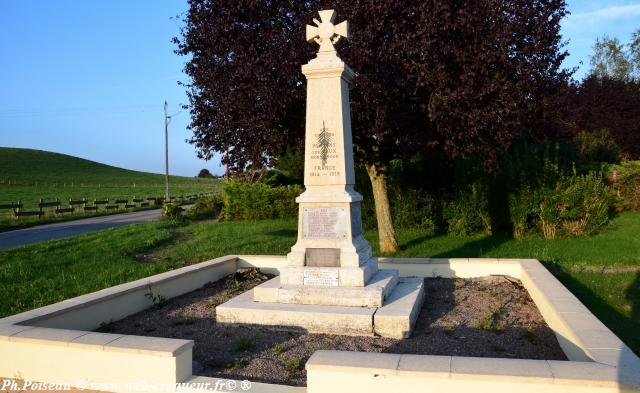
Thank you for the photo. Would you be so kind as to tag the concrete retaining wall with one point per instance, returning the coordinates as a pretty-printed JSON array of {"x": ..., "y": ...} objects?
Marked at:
[{"x": 54, "y": 344}]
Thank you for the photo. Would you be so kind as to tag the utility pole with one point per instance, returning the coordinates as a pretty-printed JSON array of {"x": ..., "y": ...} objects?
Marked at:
[{"x": 166, "y": 153}]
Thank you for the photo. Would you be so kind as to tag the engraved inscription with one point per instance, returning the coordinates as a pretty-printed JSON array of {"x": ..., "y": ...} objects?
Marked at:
[
  {"x": 323, "y": 151},
  {"x": 322, "y": 257},
  {"x": 324, "y": 223},
  {"x": 321, "y": 278}
]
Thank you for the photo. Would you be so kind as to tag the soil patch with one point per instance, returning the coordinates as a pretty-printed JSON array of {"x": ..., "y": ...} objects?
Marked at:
[{"x": 493, "y": 317}]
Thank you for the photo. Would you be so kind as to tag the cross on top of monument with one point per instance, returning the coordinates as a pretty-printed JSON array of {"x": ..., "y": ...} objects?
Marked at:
[{"x": 325, "y": 33}]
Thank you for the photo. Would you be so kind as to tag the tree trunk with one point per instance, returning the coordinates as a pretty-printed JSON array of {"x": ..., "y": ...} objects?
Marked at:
[{"x": 386, "y": 233}]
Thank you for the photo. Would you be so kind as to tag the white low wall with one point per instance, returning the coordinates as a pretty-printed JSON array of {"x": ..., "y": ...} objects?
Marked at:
[
  {"x": 82, "y": 358},
  {"x": 337, "y": 372},
  {"x": 88, "y": 312},
  {"x": 54, "y": 344}
]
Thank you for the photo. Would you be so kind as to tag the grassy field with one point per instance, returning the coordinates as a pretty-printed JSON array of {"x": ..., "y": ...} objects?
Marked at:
[
  {"x": 28, "y": 175},
  {"x": 603, "y": 271}
]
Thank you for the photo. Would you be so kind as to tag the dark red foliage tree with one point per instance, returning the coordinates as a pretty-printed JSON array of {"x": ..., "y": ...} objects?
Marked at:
[
  {"x": 468, "y": 77},
  {"x": 614, "y": 104}
]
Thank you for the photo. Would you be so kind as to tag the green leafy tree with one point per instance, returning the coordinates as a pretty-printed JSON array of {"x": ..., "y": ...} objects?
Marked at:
[
  {"x": 634, "y": 51},
  {"x": 205, "y": 173},
  {"x": 611, "y": 58}
]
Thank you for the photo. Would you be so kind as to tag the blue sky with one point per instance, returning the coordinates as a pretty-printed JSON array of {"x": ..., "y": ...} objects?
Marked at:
[
  {"x": 89, "y": 78},
  {"x": 591, "y": 19}
]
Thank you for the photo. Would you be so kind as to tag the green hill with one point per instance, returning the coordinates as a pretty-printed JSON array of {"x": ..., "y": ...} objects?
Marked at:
[
  {"x": 28, "y": 166},
  {"x": 27, "y": 175}
]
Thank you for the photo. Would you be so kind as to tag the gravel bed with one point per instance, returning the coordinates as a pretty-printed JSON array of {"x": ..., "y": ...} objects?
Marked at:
[{"x": 493, "y": 317}]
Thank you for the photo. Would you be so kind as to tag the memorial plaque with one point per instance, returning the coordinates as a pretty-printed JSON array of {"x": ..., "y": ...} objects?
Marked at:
[
  {"x": 322, "y": 257},
  {"x": 321, "y": 278},
  {"x": 324, "y": 223}
]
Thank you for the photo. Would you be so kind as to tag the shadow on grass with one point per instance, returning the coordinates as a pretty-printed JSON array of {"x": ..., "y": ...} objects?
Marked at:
[
  {"x": 284, "y": 233},
  {"x": 471, "y": 249},
  {"x": 476, "y": 248},
  {"x": 625, "y": 327},
  {"x": 417, "y": 242}
]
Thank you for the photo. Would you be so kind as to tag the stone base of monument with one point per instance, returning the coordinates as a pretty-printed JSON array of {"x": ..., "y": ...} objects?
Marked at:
[
  {"x": 395, "y": 318},
  {"x": 378, "y": 288},
  {"x": 355, "y": 276}
]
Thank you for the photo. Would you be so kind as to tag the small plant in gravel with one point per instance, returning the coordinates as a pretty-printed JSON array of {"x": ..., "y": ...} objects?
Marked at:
[
  {"x": 243, "y": 344},
  {"x": 458, "y": 284},
  {"x": 232, "y": 283},
  {"x": 158, "y": 300},
  {"x": 530, "y": 335},
  {"x": 449, "y": 329},
  {"x": 490, "y": 322},
  {"x": 238, "y": 363},
  {"x": 293, "y": 366},
  {"x": 278, "y": 349},
  {"x": 486, "y": 322}
]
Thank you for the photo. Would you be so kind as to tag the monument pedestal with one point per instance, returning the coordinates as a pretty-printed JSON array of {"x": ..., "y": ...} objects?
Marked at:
[
  {"x": 395, "y": 319},
  {"x": 330, "y": 270},
  {"x": 373, "y": 294}
]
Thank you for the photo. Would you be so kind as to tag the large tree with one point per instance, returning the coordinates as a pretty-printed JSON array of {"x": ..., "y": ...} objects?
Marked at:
[
  {"x": 615, "y": 60},
  {"x": 467, "y": 77},
  {"x": 609, "y": 103}
]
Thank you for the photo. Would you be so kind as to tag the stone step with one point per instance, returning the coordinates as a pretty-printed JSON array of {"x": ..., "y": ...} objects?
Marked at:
[
  {"x": 242, "y": 310},
  {"x": 372, "y": 295},
  {"x": 395, "y": 319},
  {"x": 398, "y": 316}
]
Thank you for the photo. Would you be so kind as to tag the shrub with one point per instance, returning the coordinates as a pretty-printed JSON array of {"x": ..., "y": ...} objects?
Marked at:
[
  {"x": 172, "y": 210},
  {"x": 578, "y": 205},
  {"x": 209, "y": 207},
  {"x": 415, "y": 209},
  {"x": 585, "y": 203},
  {"x": 597, "y": 146},
  {"x": 549, "y": 212},
  {"x": 624, "y": 180},
  {"x": 258, "y": 201},
  {"x": 469, "y": 212},
  {"x": 523, "y": 210}
]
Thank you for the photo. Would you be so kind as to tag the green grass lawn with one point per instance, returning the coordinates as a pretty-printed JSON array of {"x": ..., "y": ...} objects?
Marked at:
[
  {"x": 603, "y": 270},
  {"x": 28, "y": 175}
]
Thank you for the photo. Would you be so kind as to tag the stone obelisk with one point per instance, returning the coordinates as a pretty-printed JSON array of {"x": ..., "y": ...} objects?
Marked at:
[
  {"x": 330, "y": 282},
  {"x": 330, "y": 250}
]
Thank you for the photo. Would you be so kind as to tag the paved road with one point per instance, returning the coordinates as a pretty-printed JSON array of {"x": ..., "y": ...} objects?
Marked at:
[{"x": 75, "y": 227}]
